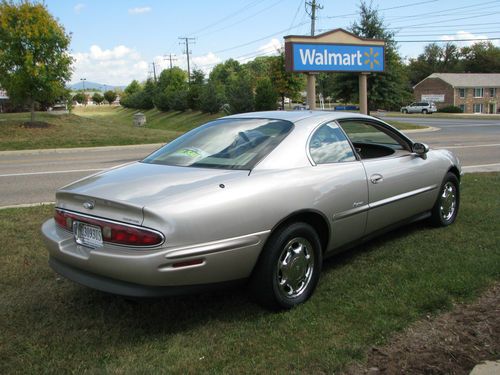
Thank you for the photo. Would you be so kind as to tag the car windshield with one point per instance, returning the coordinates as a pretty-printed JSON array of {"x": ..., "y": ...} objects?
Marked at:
[{"x": 224, "y": 143}]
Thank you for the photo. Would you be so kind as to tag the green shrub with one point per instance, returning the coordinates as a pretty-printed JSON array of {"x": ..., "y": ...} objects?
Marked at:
[{"x": 450, "y": 109}]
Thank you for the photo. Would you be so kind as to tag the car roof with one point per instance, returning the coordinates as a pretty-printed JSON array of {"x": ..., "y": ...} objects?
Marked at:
[{"x": 295, "y": 116}]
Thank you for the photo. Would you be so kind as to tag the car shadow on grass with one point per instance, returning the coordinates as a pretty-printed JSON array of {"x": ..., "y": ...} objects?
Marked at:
[{"x": 160, "y": 316}]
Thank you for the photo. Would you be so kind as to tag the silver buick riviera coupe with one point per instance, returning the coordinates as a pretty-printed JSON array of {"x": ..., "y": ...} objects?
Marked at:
[{"x": 258, "y": 197}]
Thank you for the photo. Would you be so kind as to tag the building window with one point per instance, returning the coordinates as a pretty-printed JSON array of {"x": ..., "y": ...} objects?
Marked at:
[
  {"x": 478, "y": 108},
  {"x": 478, "y": 92},
  {"x": 462, "y": 93},
  {"x": 462, "y": 108},
  {"x": 493, "y": 92}
]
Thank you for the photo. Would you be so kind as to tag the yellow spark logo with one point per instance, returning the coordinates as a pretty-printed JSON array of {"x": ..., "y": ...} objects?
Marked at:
[{"x": 371, "y": 58}]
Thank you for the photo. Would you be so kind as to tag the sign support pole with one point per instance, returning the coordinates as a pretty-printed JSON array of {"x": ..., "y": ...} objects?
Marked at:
[
  {"x": 363, "y": 93},
  {"x": 311, "y": 91}
]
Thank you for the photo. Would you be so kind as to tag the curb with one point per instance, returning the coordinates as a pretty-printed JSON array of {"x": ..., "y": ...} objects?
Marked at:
[{"x": 426, "y": 129}]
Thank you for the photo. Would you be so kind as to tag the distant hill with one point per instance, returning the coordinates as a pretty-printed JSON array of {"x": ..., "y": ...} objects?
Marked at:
[{"x": 89, "y": 85}]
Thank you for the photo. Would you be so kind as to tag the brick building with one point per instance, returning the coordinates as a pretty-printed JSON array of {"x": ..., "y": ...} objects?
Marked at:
[{"x": 472, "y": 92}]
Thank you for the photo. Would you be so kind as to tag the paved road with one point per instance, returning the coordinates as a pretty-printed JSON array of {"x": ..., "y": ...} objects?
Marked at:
[
  {"x": 476, "y": 142},
  {"x": 33, "y": 176}
]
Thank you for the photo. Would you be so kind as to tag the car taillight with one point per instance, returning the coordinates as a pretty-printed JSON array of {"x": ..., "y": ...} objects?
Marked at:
[{"x": 112, "y": 232}]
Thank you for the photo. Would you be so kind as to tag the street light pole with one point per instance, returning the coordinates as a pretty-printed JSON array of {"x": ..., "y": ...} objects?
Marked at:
[{"x": 83, "y": 83}]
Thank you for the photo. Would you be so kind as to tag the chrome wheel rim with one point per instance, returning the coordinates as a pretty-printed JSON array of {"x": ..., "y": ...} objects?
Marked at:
[
  {"x": 448, "y": 201},
  {"x": 295, "y": 267}
]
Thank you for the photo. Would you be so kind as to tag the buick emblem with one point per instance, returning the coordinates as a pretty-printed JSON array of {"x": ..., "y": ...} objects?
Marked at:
[{"x": 89, "y": 205}]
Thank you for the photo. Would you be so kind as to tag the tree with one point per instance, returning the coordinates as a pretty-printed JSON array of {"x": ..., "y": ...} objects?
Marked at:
[
  {"x": 172, "y": 90},
  {"x": 481, "y": 58},
  {"x": 97, "y": 98},
  {"x": 265, "y": 95},
  {"x": 138, "y": 97},
  {"x": 386, "y": 90},
  {"x": 110, "y": 96},
  {"x": 285, "y": 83},
  {"x": 240, "y": 94},
  {"x": 34, "y": 59},
  {"x": 80, "y": 98},
  {"x": 212, "y": 98},
  {"x": 223, "y": 73},
  {"x": 195, "y": 89},
  {"x": 132, "y": 88},
  {"x": 434, "y": 59}
]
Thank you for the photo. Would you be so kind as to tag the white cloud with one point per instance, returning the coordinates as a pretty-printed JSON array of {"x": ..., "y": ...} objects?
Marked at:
[
  {"x": 206, "y": 62},
  {"x": 78, "y": 8},
  {"x": 116, "y": 66},
  {"x": 274, "y": 45},
  {"x": 467, "y": 35},
  {"x": 139, "y": 10}
]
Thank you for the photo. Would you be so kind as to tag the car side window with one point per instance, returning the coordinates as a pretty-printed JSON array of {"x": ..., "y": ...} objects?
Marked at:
[
  {"x": 371, "y": 140},
  {"x": 330, "y": 145}
]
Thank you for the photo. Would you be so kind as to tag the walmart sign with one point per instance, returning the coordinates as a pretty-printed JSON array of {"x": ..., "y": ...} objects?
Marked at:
[{"x": 336, "y": 58}]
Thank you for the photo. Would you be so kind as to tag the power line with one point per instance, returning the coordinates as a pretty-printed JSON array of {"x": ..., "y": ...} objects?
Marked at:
[
  {"x": 444, "y": 26},
  {"x": 381, "y": 10},
  {"x": 187, "y": 52},
  {"x": 244, "y": 19},
  {"x": 444, "y": 12},
  {"x": 260, "y": 39},
  {"x": 450, "y": 20},
  {"x": 474, "y": 32},
  {"x": 248, "y": 6},
  {"x": 447, "y": 41},
  {"x": 296, "y": 13}
]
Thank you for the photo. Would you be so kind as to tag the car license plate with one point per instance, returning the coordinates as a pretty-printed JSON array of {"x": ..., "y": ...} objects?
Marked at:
[{"x": 87, "y": 235}]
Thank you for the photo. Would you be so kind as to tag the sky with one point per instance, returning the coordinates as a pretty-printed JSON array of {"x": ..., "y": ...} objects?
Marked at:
[{"x": 116, "y": 41}]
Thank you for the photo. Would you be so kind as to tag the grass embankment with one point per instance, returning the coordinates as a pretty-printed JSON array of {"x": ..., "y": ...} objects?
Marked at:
[
  {"x": 96, "y": 126},
  {"x": 50, "y": 325},
  {"x": 102, "y": 126}
]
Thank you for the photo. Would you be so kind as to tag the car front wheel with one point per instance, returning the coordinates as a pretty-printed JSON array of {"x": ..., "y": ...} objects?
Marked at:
[
  {"x": 445, "y": 209},
  {"x": 289, "y": 267},
  {"x": 424, "y": 111}
]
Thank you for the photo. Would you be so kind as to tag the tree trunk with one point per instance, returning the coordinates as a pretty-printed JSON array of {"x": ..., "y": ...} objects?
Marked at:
[
  {"x": 283, "y": 102},
  {"x": 32, "y": 110}
]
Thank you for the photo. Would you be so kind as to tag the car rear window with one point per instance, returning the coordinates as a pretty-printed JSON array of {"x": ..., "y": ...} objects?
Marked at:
[{"x": 224, "y": 143}]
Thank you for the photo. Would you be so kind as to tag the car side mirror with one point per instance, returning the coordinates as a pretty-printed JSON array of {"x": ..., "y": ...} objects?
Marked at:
[{"x": 420, "y": 148}]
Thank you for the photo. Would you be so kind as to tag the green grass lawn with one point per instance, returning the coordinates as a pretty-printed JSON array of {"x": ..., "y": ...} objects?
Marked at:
[
  {"x": 102, "y": 126},
  {"x": 50, "y": 325}
]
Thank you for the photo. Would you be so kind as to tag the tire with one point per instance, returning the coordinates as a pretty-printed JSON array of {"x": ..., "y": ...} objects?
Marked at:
[
  {"x": 445, "y": 209},
  {"x": 405, "y": 111},
  {"x": 424, "y": 111},
  {"x": 289, "y": 267}
]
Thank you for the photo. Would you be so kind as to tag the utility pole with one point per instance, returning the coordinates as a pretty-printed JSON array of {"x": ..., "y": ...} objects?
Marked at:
[
  {"x": 154, "y": 71},
  {"x": 311, "y": 78},
  {"x": 171, "y": 58},
  {"x": 187, "y": 52}
]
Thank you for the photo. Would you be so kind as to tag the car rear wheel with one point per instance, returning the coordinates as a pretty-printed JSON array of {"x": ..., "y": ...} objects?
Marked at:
[
  {"x": 405, "y": 111},
  {"x": 424, "y": 111},
  {"x": 289, "y": 267},
  {"x": 445, "y": 210}
]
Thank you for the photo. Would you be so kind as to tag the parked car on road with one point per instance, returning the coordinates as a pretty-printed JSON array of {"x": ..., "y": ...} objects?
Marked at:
[
  {"x": 257, "y": 197},
  {"x": 419, "y": 107}
]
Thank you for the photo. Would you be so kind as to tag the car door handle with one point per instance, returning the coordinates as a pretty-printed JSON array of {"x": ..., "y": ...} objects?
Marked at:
[{"x": 376, "y": 178}]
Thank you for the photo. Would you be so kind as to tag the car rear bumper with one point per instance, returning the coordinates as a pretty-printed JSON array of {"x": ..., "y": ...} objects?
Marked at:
[
  {"x": 127, "y": 289},
  {"x": 151, "y": 272}
]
